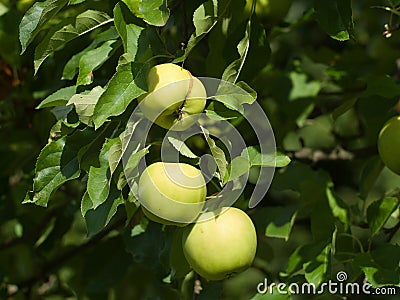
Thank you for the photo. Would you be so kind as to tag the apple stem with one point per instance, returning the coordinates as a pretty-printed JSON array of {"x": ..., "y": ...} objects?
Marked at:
[{"x": 197, "y": 288}]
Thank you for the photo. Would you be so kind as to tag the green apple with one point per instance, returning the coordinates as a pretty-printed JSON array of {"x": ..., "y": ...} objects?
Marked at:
[
  {"x": 389, "y": 144},
  {"x": 222, "y": 245},
  {"x": 172, "y": 193},
  {"x": 174, "y": 97}
]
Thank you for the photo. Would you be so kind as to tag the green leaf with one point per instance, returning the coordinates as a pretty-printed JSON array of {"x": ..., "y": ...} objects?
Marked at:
[
  {"x": 57, "y": 163},
  {"x": 244, "y": 86},
  {"x": 86, "y": 204},
  {"x": 146, "y": 247},
  {"x": 335, "y": 17},
  {"x": 254, "y": 53},
  {"x": 238, "y": 167},
  {"x": 35, "y": 18},
  {"x": 205, "y": 18},
  {"x": 152, "y": 12},
  {"x": 85, "y": 103},
  {"x": 381, "y": 265},
  {"x": 232, "y": 96},
  {"x": 58, "y": 37},
  {"x": 99, "y": 179},
  {"x": 217, "y": 153},
  {"x": 317, "y": 269},
  {"x": 74, "y": 2},
  {"x": 305, "y": 256},
  {"x": 97, "y": 219},
  {"x": 92, "y": 60},
  {"x": 369, "y": 175},
  {"x": 379, "y": 212},
  {"x": 301, "y": 88},
  {"x": 88, "y": 155},
  {"x": 232, "y": 72},
  {"x": 72, "y": 66},
  {"x": 339, "y": 208},
  {"x": 181, "y": 147},
  {"x": 115, "y": 155},
  {"x": 220, "y": 111},
  {"x": 58, "y": 98},
  {"x": 259, "y": 51},
  {"x": 130, "y": 33},
  {"x": 130, "y": 166},
  {"x": 128, "y": 83},
  {"x": 383, "y": 86},
  {"x": 265, "y": 159},
  {"x": 276, "y": 222},
  {"x": 344, "y": 107}
]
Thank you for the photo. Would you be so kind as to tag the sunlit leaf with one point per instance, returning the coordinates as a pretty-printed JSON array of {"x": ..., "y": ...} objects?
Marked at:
[
  {"x": 381, "y": 265},
  {"x": 128, "y": 83},
  {"x": 335, "y": 17},
  {"x": 58, "y": 37},
  {"x": 181, "y": 147},
  {"x": 84, "y": 104},
  {"x": 71, "y": 68},
  {"x": 56, "y": 164},
  {"x": 379, "y": 212},
  {"x": 92, "y": 60},
  {"x": 153, "y": 12},
  {"x": 35, "y": 18},
  {"x": 98, "y": 185},
  {"x": 265, "y": 159},
  {"x": 205, "y": 18},
  {"x": 59, "y": 97},
  {"x": 97, "y": 219},
  {"x": 217, "y": 153},
  {"x": 132, "y": 35}
]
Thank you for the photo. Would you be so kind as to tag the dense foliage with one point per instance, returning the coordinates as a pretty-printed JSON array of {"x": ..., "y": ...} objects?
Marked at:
[{"x": 326, "y": 74}]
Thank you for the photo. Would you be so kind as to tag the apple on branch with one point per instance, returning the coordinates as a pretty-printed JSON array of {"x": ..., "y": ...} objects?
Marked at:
[
  {"x": 172, "y": 193},
  {"x": 222, "y": 245},
  {"x": 174, "y": 97}
]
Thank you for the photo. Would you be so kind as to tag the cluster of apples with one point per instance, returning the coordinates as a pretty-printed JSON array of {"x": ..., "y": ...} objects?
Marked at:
[
  {"x": 216, "y": 244},
  {"x": 389, "y": 144}
]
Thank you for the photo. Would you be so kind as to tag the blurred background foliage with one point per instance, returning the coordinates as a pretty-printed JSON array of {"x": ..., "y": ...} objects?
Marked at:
[{"x": 326, "y": 100}]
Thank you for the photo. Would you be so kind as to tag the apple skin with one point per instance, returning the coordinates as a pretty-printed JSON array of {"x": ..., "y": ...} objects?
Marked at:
[
  {"x": 172, "y": 193},
  {"x": 389, "y": 144},
  {"x": 174, "y": 98},
  {"x": 222, "y": 245}
]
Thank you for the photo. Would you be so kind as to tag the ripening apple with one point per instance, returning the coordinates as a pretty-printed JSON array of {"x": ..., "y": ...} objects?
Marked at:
[
  {"x": 221, "y": 246},
  {"x": 172, "y": 193},
  {"x": 174, "y": 97},
  {"x": 389, "y": 144}
]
